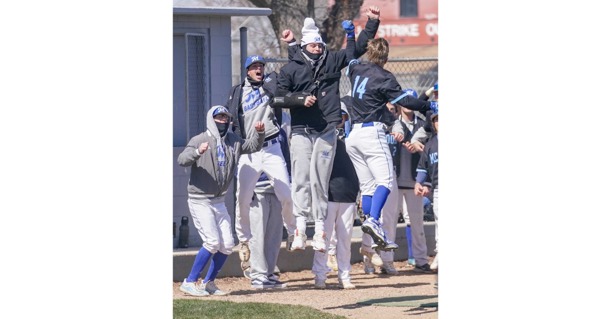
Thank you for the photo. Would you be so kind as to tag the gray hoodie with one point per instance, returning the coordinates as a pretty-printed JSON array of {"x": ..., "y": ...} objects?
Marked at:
[{"x": 207, "y": 178}]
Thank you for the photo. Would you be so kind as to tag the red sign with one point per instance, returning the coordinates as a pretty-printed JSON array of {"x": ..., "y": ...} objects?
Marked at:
[{"x": 405, "y": 31}]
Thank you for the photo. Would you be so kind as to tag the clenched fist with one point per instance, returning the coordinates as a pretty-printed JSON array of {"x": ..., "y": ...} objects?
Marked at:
[
  {"x": 287, "y": 36},
  {"x": 373, "y": 12},
  {"x": 203, "y": 147},
  {"x": 259, "y": 126}
]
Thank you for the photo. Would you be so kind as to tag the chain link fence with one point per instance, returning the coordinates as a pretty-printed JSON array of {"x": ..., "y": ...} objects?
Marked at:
[{"x": 416, "y": 73}]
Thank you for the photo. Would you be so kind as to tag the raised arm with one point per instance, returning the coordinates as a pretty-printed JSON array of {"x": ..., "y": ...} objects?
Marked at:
[{"x": 370, "y": 29}]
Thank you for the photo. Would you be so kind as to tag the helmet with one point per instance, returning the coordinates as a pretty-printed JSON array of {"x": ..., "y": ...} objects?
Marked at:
[{"x": 410, "y": 92}]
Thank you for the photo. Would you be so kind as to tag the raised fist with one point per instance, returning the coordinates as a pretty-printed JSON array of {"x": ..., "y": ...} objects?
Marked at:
[
  {"x": 287, "y": 36},
  {"x": 373, "y": 12}
]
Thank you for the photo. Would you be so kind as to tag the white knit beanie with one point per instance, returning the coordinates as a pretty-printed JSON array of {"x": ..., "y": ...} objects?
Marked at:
[{"x": 310, "y": 33}]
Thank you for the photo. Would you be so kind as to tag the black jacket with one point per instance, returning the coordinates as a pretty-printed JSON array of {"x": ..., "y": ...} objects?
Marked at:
[
  {"x": 429, "y": 162},
  {"x": 343, "y": 186},
  {"x": 322, "y": 80}
]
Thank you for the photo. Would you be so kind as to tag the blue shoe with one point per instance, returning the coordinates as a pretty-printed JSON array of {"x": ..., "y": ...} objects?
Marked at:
[
  {"x": 372, "y": 227},
  {"x": 411, "y": 262},
  {"x": 277, "y": 283},
  {"x": 262, "y": 283}
]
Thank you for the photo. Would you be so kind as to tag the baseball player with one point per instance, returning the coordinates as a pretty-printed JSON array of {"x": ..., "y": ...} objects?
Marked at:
[
  {"x": 309, "y": 85},
  {"x": 412, "y": 205},
  {"x": 427, "y": 179},
  {"x": 266, "y": 228},
  {"x": 372, "y": 88},
  {"x": 212, "y": 157},
  {"x": 342, "y": 196},
  {"x": 249, "y": 102}
]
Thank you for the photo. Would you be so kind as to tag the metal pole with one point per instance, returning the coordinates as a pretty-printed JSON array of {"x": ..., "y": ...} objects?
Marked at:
[{"x": 243, "y": 50}]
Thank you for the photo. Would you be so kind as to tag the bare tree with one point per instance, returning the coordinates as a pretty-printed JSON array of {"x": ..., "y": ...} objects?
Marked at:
[
  {"x": 290, "y": 14},
  {"x": 331, "y": 29}
]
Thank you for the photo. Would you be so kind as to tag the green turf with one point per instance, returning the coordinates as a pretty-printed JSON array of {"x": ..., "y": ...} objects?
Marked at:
[{"x": 196, "y": 309}]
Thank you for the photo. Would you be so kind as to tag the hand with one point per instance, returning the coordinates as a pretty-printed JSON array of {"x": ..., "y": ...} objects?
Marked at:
[
  {"x": 259, "y": 126},
  {"x": 418, "y": 189},
  {"x": 426, "y": 191},
  {"x": 310, "y": 100},
  {"x": 417, "y": 147},
  {"x": 287, "y": 36},
  {"x": 397, "y": 136},
  {"x": 348, "y": 26},
  {"x": 429, "y": 92},
  {"x": 203, "y": 147},
  {"x": 373, "y": 12}
]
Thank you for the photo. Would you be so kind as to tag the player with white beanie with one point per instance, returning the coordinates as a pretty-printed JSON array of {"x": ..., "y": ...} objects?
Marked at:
[{"x": 309, "y": 86}]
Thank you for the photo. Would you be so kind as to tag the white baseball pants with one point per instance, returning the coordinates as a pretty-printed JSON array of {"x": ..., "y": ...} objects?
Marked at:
[
  {"x": 213, "y": 223},
  {"x": 340, "y": 219},
  {"x": 271, "y": 161}
]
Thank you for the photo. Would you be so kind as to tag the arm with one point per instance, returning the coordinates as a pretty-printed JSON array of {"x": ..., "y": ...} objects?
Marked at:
[
  {"x": 370, "y": 29},
  {"x": 255, "y": 142},
  {"x": 395, "y": 95},
  {"x": 288, "y": 37},
  {"x": 192, "y": 152}
]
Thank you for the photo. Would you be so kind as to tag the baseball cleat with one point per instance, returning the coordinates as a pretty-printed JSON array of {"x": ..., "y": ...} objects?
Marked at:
[
  {"x": 212, "y": 289},
  {"x": 319, "y": 242},
  {"x": 373, "y": 257},
  {"x": 372, "y": 227},
  {"x": 191, "y": 288},
  {"x": 262, "y": 284},
  {"x": 319, "y": 283},
  {"x": 434, "y": 264},
  {"x": 299, "y": 241},
  {"x": 346, "y": 284},
  {"x": 425, "y": 269},
  {"x": 277, "y": 283},
  {"x": 332, "y": 262},
  {"x": 388, "y": 268}
]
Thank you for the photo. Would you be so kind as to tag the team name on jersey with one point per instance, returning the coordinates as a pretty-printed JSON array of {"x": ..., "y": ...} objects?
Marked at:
[{"x": 253, "y": 100}]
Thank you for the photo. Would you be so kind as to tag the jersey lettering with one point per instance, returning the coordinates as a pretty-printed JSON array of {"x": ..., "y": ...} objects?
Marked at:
[
  {"x": 359, "y": 88},
  {"x": 433, "y": 158}
]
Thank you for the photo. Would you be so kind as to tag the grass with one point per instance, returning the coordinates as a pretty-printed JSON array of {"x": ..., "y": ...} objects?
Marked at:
[{"x": 200, "y": 309}]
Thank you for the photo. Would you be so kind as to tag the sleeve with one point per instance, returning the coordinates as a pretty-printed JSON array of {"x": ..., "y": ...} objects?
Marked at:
[
  {"x": 252, "y": 144},
  {"x": 420, "y": 135},
  {"x": 395, "y": 95},
  {"x": 422, "y": 167},
  {"x": 398, "y": 128},
  {"x": 293, "y": 49},
  {"x": 190, "y": 154},
  {"x": 369, "y": 32}
]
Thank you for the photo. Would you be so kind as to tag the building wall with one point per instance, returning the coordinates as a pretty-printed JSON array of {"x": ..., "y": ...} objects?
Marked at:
[
  {"x": 217, "y": 82},
  {"x": 400, "y": 31}
]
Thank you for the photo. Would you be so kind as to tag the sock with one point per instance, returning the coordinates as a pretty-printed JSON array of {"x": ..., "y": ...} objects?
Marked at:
[
  {"x": 379, "y": 198},
  {"x": 217, "y": 261},
  {"x": 409, "y": 241},
  {"x": 200, "y": 261},
  {"x": 366, "y": 204}
]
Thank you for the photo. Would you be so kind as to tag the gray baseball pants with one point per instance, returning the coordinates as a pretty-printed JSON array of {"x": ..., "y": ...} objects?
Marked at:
[
  {"x": 312, "y": 156},
  {"x": 267, "y": 228}
]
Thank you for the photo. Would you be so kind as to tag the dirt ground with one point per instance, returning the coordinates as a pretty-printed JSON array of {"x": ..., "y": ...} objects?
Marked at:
[{"x": 334, "y": 300}]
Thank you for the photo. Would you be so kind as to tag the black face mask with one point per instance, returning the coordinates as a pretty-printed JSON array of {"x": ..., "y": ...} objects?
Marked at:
[
  {"x": 222, "y": 128},
  {"x": 311, "y": 55}
]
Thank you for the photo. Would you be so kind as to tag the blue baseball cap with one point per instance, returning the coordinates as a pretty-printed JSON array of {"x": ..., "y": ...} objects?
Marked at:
[
  {"x": 410, "y": 92},
  {"x": 221, "y": 110},
  {"x": 436, "y": 86},
  {"x": 254, "y": 59}
]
